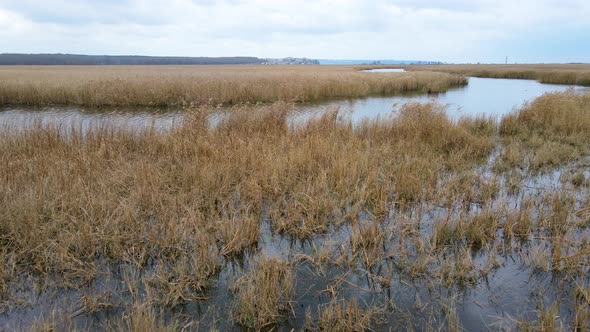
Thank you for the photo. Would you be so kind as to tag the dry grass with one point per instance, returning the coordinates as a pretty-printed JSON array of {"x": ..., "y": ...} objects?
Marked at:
[
  {"x": 550, "y": 131},
  {"x": 264, "y": 294},
  {"x": 342, "y": 316},
  {"x": 143, "y": 318},
  {"x": 183, "y": 85},
  {"x": 571, "y": 74}
]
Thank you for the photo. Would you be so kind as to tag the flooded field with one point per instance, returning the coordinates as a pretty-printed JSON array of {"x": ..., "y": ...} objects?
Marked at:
[{"x": 468, "y": 213}]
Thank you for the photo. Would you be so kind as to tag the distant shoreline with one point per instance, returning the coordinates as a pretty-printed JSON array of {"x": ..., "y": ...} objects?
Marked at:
[
  {"x": 60, "y": 59},
  {"x": 16, "y": 59}
]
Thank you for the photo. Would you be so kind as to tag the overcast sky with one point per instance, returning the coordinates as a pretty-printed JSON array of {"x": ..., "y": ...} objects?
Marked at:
[{"x": 450, "y": 30}]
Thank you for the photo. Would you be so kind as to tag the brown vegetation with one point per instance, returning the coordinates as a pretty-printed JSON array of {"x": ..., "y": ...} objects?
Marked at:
[
  {"x": 185, "y": 85},
  {"x": 548, "y": 132},
  {"x": 414, "y": 198},
  {"x": 341, "y": 316},
  {"x": 264, "y": 294},
  {"x": 571, "y": 74}
]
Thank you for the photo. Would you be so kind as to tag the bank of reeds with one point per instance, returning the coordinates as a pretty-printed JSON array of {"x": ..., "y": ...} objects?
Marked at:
[
  {"x": 168, "y": 86},
  {"x": 548, "y": 132},
  {"x": 570, "y": 74}
]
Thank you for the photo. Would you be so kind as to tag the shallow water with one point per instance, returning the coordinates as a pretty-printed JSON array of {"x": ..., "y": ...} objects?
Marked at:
[{"x": 482, "y": 96}]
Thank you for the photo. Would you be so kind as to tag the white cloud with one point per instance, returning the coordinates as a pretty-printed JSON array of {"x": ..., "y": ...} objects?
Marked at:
[{"x": 455, "y": 30}]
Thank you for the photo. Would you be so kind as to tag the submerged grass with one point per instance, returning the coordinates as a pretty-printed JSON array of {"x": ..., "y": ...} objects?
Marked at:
[{"x": 168, "y": 86}]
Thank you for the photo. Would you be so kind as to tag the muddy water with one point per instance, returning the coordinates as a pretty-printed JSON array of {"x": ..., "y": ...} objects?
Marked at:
[{"x": 482, "y": 96}]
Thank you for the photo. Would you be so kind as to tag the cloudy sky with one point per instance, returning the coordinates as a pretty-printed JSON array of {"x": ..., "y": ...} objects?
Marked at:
[{"x": 450, "y": 30}]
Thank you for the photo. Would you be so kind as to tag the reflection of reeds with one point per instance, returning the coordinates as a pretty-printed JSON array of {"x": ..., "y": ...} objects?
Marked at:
[{"x": 183, "y": 85}]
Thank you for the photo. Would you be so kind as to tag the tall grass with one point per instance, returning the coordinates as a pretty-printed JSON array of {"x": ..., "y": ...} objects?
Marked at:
[
  {"x": 552, "y": 129},
  {"x": 185, "y": 85}
]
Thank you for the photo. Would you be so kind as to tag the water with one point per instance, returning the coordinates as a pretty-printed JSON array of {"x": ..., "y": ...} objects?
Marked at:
[
  {"x": 385, "y": 70},
  {"x": 482, "y": 96},
  {"x": 66, "y": 117}
]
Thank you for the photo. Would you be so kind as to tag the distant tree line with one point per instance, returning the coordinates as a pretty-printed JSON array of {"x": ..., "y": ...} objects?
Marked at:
[{"x": 75, "y": 59}]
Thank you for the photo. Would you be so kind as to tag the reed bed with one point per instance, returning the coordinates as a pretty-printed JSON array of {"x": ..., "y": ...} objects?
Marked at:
[
  {"x": 550, "y": 131},
  {"x": 570, "y": 74},
  {"x": 198, "y": 214},
  {"x": 179, "y": 86}
]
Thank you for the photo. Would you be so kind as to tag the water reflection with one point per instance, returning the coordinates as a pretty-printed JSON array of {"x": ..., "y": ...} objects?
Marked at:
[{"x": 482, "y": 96}]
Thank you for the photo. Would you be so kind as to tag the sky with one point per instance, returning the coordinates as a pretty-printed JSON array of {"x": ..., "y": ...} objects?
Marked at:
[{"x": 454, "y": 31}]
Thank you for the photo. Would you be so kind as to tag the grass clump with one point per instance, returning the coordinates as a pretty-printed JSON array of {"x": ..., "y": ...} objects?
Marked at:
[
  {"x": 548, "y": 132},
  {"x": 548, "y": 320},
  {"x": 145, "y": 318},
  {"x": 343, "y": 316},
  {"x": 263, "y": 295}
]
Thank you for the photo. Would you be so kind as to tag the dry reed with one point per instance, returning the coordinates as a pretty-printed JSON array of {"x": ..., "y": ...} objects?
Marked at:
[
  {"x": 177, "y": 86},
  {"x": 570, "y": 74}
]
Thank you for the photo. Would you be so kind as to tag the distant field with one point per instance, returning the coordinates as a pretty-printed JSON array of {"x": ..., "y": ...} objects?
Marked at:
[
  {"x": 184, "y": 85},
  {"x": 573, "y": 74}
]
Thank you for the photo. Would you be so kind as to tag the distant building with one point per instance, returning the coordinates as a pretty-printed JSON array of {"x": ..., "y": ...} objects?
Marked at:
[{"x": 291, "y": 61}]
